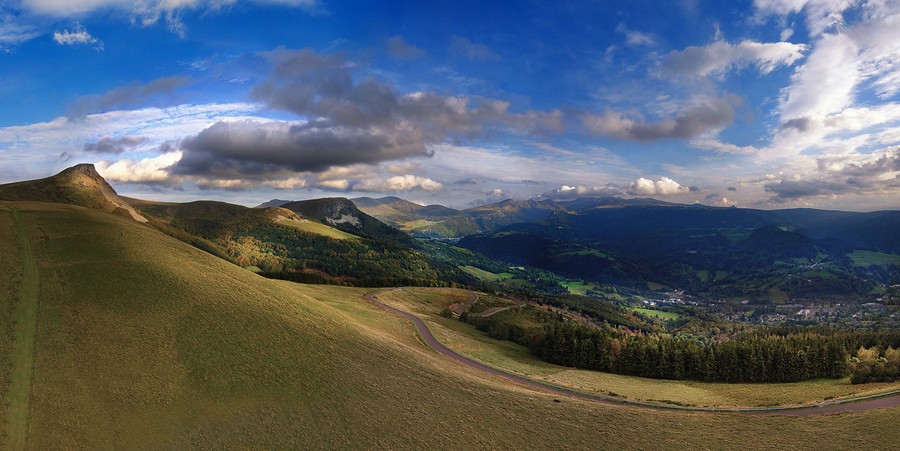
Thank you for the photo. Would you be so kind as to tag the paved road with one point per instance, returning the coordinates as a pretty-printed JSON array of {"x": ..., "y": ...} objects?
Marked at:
[
  {"x": 473, "y": 297},
  {"x": 861, "y": 404}
]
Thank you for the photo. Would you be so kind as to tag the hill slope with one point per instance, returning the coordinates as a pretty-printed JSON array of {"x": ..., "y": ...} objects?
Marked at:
[
  {"x": 432, "y": 221},
  {"x": 146, "y": 342},
  {"x": 78, "y": 185}
]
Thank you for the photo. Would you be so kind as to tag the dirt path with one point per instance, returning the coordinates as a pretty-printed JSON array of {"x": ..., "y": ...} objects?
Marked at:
[
  {"x": 860, "y": 404},
  {"x": 23, "y": 340}
]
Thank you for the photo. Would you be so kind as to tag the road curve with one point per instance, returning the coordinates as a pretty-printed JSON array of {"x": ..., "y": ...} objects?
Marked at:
[{"x": 860, "y": 404}]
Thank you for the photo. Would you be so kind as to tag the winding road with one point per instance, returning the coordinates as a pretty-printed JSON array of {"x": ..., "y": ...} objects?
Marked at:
[{"x": 860, "y": 404}]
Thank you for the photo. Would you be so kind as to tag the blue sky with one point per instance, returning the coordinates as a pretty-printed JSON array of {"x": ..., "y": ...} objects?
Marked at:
[{"x": 763, "y": 104}]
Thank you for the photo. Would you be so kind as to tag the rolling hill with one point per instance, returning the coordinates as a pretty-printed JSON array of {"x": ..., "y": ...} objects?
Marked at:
[
  {"x": 430, "y": 221},
  {"x": 78, "y": 185},
  {"x": 138, "y": 340}
]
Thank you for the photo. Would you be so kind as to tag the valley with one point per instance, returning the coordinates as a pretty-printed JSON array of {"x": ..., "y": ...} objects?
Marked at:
[{"x": 148, "y": 335}]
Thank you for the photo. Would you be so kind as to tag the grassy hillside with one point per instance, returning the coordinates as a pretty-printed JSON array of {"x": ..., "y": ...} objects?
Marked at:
[
  {"x": 77, "y": 185},
  {"x": 466, "y": 339},
  {"x": 145, "y": 342}
]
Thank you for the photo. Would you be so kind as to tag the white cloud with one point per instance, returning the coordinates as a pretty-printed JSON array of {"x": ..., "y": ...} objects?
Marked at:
[
  {"x": 79, "y": 36},
  {"x": 406, "y": 182},
  {"x": 288, "y": 183},
  {"x": 707, "y": 142},
  {"x": 634, "y": 37},
  {"x": 35, "y": 148},
  {"x": 565, "y": 192},
  {"x": 148, "y": 12},
  {"x": 829, "y": 106},
  {"x": 147, "y": 170},
  {"x": 662, "y": 187},
  {"x": 786, "y": 34},
  {"x": 720, "y": 57},
  {"x": 13, "y": 32},
  {"x": 824, "y": 84},
  {"x": 339, "y": 184},
  {"x": 821, "y": 15}
]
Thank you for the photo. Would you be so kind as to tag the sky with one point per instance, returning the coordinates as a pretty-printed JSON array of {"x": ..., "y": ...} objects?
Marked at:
[{"x": 759, "y": 104}]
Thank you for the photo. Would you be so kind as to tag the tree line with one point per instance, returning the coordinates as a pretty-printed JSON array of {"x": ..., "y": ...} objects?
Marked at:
[{"x": 763, "y": 355}]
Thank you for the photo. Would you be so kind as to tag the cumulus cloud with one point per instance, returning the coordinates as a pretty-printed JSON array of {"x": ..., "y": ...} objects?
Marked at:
[
  {"x": 662, "y": 187},
  {"x": 875, "y": 173},
  {"x": 717, "y": 200},
  {"x": 402, "y": 168},
  {"x": 703, "y": 115},
  {"x": 567, "y": 192},
  {"x": 400, "y": 49},
  {"x": 108, "y": 144},
  {"x": 323, "y": 86},
  {"x": 349, "y": 121},
  {"x": 250, "y": 147},
  {"x": 129, "y": 95},
  {"x": 720, "y": 57},
  {"x": 288, "y": 183},
  {"x": 148, "y": 170},
  {"x": 461, "y": 46},
  {"x": 399, "y": 183}
]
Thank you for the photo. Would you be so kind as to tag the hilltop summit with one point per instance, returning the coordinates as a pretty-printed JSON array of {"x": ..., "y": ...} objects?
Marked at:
[{"x": 78, "y": 185}]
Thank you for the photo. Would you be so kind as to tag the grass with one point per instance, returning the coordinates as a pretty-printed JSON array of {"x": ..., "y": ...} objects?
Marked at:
[
  {"x": 145, "y": 342},
  {"x": 486, "y": 275},
  {"x": 512, "y": 357},
  {"x": 582, "y": 252},
  {"x": 417, "y": 224},
  {"x": 22, "y": 347},
  {"x": 654, "y": 286},
  {"x": 868, "y": 258},
  {"x": 778, "y": 295},
  {"x": 578, "y": 287},
  {"x": 489, "y": 302},
  {"x": 318, "y": 229},
  {"x": 658, "y": 314},
  {"x": 11, "y": 282}
]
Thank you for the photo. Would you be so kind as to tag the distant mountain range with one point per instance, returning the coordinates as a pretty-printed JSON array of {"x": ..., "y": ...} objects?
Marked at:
[
  {"x": 612, "y": 219},
  {"x": 728, "y": 253}
]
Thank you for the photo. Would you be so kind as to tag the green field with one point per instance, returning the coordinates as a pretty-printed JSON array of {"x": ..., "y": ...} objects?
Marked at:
[
  {"x": 318, "y": 229},
  {"x": 144, "y": 342},
  {"x": 868, "y": 258},
  {"x": 486, "y": 275},
  {"x": 578, "y": 287},
  {"x": 417, "y": 224},
  {"x": 658, "y": 314}
]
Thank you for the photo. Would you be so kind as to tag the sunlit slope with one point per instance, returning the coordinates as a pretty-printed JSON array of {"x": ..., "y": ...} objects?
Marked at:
[
  {"x": 77, "y": 185},
  {"x": 145, "y": 342}
]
